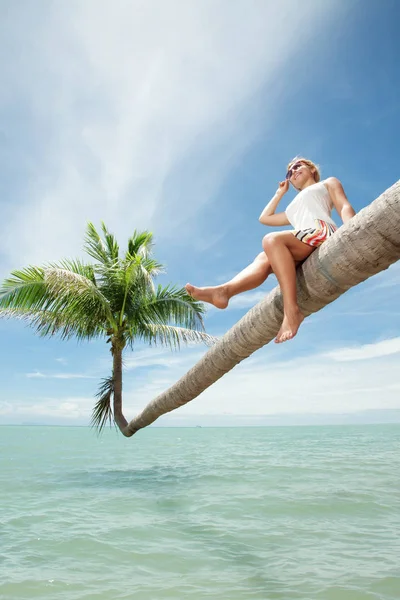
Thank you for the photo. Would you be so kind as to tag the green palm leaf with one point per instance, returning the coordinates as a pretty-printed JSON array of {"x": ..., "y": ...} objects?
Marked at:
[
  {"x": 171, "y": 336},
  {"x": 25, "y": 288},
  {"x": 77, "y": 295},
  {"x": 175, "y": 304},
  {"x": 111, "y": 244},
  {"x": 141, "y": 244},
  {"x": 102, "y": 411},
  {"x": 96, "y": 248}
]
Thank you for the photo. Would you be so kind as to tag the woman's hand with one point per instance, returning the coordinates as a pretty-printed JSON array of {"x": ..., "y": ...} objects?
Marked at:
[
  {"x": 268, "y": 216},
  {"x": 283, "y": 188}
]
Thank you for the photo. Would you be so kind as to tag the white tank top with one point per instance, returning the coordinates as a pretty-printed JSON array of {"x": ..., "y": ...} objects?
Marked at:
[{"x": 314, "y": 202}]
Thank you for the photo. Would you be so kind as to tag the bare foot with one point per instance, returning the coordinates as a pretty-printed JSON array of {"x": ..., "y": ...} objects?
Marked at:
[
  {"x": 217, "y": 295},
  {"x": 290, "y": 325}
]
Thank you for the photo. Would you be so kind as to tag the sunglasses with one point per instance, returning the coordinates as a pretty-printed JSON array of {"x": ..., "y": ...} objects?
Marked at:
[{"x": 293, "y": 168}]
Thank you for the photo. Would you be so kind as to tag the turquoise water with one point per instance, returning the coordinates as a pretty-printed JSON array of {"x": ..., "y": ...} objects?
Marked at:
[{"x": 267, "y": 513}]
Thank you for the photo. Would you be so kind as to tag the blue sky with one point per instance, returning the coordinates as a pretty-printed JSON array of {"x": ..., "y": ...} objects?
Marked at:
[{"x": 180, "y": 118}]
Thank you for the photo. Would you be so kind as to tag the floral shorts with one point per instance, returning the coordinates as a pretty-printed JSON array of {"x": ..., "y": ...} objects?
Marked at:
[{"x": 315, "y": 236}]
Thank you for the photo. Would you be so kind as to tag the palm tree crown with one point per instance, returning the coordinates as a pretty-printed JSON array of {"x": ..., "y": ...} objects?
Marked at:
[{"x": 114, "y": 298}]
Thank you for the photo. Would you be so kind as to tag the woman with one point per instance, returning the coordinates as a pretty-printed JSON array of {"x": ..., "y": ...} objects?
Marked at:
[{"x": 310, "y": 216}]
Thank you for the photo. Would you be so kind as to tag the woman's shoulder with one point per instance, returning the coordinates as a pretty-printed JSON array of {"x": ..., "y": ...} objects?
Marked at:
[
  {"x": 333, "y": 186},
  {"x": 331, "y": 182}
]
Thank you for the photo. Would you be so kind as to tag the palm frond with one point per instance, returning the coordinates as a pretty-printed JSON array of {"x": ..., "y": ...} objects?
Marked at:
[
  {"x": 102, "y": 411},
  {"x": 111, "y": 244},
  {"x": 76, "y": 266},
  {"x": 77, "y": 295},
  {"x": 20, "y": 314},
  {"x": 138, "y": 282},
  {"x": 141, "y": 243},
  {"x": 25, "y": 288},
  {"x": 50, "y": 323},
  {"x": 57, "y": 301},
  {"x": 67, "y": 326},
  {"x": 168, "y": 312},
  {"x": 175, "y": 305},
  {"x": 150, "y": 268},
  {"x": 169, "y": 335},
  {"x": 113, "y": 286},
  {"x": 95, "y": 246},
  {"x": 139, "y": 273}
]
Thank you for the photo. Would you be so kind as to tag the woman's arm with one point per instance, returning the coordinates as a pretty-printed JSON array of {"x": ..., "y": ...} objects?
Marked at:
[
  {"x": 268, "y": 216},
  {"x": 339, "y": 199}
]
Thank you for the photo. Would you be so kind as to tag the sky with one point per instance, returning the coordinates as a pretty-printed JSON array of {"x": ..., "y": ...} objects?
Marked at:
[{"x": 180, "y": 117}]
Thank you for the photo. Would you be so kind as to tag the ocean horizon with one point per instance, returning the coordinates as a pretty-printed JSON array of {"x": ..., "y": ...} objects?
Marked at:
[{"x": 178, "y": 420}]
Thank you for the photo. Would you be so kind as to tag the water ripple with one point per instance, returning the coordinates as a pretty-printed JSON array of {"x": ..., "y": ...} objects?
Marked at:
[{"x": 285, "y": 513}]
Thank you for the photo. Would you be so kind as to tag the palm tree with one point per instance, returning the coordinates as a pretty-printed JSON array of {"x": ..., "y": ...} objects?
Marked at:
[
  {"x": 366, "y": 245},
  {"x": 114, "y": 298}
]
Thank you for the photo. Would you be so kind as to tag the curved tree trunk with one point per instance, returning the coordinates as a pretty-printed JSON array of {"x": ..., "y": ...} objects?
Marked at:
[
  {"x": 117, "y": 393},
  {"x": 366, "y": 245}
]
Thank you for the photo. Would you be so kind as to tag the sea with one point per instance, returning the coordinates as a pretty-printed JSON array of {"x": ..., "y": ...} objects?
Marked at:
[{"x": 288, "y": 513}]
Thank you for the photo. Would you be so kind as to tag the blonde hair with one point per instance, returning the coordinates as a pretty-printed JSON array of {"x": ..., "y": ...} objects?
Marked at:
[{"x": 314, "y": 168}]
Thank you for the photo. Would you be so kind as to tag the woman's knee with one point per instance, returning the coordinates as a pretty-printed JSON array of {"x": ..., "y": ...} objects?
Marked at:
[
  {"x": 261, "y": 258},
  {"x": 269, "y": 240}
]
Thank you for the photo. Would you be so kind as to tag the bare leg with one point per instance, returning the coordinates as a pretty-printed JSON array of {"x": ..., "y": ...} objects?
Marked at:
[
  {"x": 251, "y": 277},
  {"x": 283, "y": 251}
]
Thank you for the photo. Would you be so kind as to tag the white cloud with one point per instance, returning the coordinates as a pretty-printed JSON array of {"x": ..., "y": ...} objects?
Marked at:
[
  {"x": 366, "y": 351},
  {"x": 6, "y": 408},
  {"x": 35, "y": 374},
  {"x": 161, "y": 358},
  {"x": 71, "y": 409},
  {"x": 247, "y": 300},
  {"x": 134, "y": 108},
  {"x": 261, "y": 385},
  {"x": 71, "y": 376},
  {"x": 62, "y": 361},
  {"x": 39, "y": 375}
]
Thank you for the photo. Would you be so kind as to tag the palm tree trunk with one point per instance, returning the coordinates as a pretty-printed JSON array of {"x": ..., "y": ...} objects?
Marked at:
[
  {"x": 117, "y": 376},
  {"x": 364, "y": 246}
]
